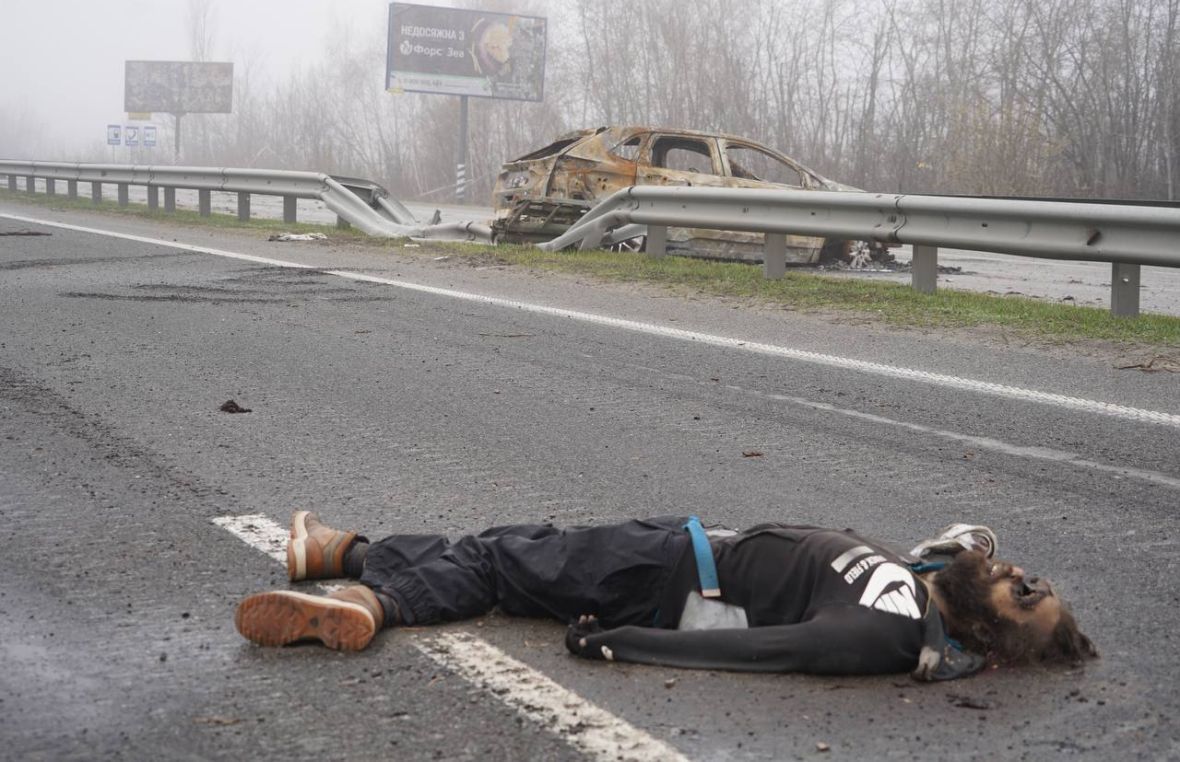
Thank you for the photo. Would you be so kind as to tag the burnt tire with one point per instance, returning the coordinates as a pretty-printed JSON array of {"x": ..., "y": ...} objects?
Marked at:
[{"x": 636, "y": 245}]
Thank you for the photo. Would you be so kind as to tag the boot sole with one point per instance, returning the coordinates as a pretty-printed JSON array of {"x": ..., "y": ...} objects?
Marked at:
[
  {"x": 283, "y": 617},
  {"x": 297, "y": 547}
]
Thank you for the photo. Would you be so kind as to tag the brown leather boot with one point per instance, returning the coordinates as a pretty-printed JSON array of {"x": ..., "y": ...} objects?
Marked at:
[
  {"x": 315, "y": 550},
  {"x": 345, "y": 620}
]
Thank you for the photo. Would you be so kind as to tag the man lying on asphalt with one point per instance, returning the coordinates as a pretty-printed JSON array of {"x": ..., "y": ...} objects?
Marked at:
[{"x": 774, "y": 598}]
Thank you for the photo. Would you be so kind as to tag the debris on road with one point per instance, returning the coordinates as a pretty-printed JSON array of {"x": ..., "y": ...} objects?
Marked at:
[
  {"x": 821, "y": 746},
  {"x": 217, "y": 720},
  {"x": 751, "y": 454},
  {"x": 1168, "y": 365},
  {"x": 229, "y": 406},
  {"x": 285, "y": 237},
  {"x": 968, "y": 702}
]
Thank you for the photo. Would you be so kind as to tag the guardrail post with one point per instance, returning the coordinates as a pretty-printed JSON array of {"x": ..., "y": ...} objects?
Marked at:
[
  {"x": 12, "y": 183},
  {"x": 289, "y": 209},
  {"x": 96, "y": 192},
  {"x": 924, "y": 269},
  {"x": 30, "y": 184},
  {"x": 774, "y": 259},
  {"x": 243, "y": 207},
  {"x": 1124, "y": 289},
  {"x": 657, "y": 240},
  {"x": 123, "y": 194},
  {"x": 72, "y": 188},
  {"x": 204, "y": 202},
  {"x": 153, "y": 192},
  {"x": 51, "y": 186},
  {"x": 342, "y": 223},
  {"x": 169, "y": 200}
]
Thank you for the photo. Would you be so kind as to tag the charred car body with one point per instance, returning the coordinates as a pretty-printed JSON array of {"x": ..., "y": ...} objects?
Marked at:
[{"x": 541, "y": 194}]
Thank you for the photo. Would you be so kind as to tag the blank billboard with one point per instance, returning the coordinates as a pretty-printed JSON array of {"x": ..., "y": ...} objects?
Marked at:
[{"x": 179, "y": 87}]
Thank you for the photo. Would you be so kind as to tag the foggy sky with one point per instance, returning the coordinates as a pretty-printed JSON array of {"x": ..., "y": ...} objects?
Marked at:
[{"x": 61, "y": 64}]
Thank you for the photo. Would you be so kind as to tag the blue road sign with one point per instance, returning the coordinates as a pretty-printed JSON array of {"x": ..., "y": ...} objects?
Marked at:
[{"x": 114, "y": 134}]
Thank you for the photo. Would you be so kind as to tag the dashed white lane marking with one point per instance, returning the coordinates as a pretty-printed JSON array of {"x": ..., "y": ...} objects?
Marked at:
[
  {"x": 576, "y": 721},
  {"x": 594, "y": 731},
  {"x": 259, "y": 532},
  {"x": 845, "y": 363}
]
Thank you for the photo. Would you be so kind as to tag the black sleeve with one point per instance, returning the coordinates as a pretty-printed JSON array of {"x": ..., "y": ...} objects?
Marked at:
[{"x": 840, "y": 640}]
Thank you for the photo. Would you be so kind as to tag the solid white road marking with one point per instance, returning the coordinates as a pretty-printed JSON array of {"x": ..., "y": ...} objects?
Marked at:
[
  {"x": 981, "y": 443},
  {"x": 845, "y": 363},
  {"x": 835, "y": 361},
  {"x": 579, "y": 723}
]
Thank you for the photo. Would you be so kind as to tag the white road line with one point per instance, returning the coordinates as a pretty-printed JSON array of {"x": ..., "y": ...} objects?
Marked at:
[
  {"x": 980, "y": 443},
  {"x": 593, "y": 731},
  {"x": 576, "y": 721},
  {"x": 259, "y": 532},
  {"x": 835, "y": 361}
]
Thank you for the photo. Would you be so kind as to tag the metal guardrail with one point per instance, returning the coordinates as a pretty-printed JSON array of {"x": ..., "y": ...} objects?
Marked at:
[
  {"x": 360, "y": 203},
  {"x": 1127, "y": 236}
]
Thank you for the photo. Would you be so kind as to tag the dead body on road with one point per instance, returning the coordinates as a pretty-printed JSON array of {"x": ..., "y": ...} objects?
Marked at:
[{"x": 773, "y": 598}]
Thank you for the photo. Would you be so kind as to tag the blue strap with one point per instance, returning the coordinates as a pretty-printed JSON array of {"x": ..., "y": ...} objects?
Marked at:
[
  {"x": 706, "y": 566},
  {"x": 928, "y": 566}
]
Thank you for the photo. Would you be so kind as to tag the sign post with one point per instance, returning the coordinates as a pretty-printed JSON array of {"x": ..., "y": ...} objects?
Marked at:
[
  {"x": 461, "y": 166},
  {"x": 454, "y": 51}
]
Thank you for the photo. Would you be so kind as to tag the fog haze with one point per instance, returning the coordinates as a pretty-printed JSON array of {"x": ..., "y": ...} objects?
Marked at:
[
  {"x": 1074, "y": 98},
  {"x": 62, "y": 60}
]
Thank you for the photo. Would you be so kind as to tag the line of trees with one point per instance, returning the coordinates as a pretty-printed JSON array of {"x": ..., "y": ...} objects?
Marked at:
[{"x": 1026, "y": 97}]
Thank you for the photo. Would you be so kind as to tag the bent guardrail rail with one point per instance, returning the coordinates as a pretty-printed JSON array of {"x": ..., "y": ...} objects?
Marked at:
[
  {"x": 1127, "y": 236},
  {"x": 360, "y": 203}
]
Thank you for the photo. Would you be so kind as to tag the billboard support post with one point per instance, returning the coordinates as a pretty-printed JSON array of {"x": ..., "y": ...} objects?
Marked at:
[
  {"x": 461, "y": 165},
  {"x": 176, "y": 88},
  {"x": 176, "y": 137},
  {"x": 468, "y": 53}
]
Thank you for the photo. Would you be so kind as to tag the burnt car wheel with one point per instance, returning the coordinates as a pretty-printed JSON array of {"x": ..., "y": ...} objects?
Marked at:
[{"x": 634, "y": 245}]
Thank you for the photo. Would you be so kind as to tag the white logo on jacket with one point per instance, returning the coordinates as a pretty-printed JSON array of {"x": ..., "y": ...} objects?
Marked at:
[{"x": 891, "y": 587}]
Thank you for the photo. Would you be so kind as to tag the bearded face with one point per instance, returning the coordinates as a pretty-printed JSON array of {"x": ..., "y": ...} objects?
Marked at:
[{"x": 992, "y": 608}]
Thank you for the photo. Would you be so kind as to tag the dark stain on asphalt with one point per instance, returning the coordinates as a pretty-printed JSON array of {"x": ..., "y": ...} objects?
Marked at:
[
  {"x": 223, "y": 298},
  {"x": 229, "y": 406},
  {"x": 29, "y": 264}
]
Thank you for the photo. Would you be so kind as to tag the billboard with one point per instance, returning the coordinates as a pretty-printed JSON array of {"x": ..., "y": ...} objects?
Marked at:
[
  {"x": 178, "y": 87},
  {"x": 454, "y": 51}
]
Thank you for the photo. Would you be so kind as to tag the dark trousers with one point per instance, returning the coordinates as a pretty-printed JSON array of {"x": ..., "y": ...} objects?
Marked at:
[{"x": 617, "y": 573}]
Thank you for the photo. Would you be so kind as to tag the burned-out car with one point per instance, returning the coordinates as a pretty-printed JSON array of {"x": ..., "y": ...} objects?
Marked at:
[{"x": 541, "y": 194}]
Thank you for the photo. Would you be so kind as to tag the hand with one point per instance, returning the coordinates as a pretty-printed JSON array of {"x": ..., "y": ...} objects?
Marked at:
[{"x": 576, "y": 634}]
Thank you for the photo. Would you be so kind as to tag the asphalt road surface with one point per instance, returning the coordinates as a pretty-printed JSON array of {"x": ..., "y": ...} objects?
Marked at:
[{"x": 400, "y": 393}]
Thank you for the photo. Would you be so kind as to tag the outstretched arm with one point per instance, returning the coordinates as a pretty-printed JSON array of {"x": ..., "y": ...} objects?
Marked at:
[{"x": 837, "y": 641}]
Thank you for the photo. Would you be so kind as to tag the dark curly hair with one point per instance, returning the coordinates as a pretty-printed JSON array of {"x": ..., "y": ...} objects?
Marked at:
[{"x": 964, "y": 588}]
